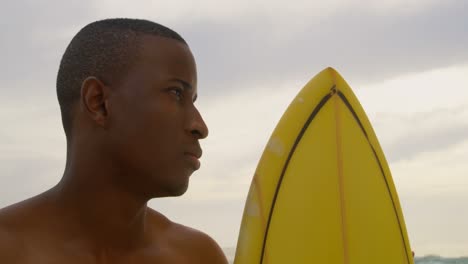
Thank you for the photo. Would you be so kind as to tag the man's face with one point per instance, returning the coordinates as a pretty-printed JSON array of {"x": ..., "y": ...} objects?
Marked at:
[{"x": 154, "y": 125}]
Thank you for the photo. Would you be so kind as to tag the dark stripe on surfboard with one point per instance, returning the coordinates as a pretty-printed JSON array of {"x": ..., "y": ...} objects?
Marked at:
[
  {"x": 348, "y": 105},
  {"x": 296, "y": 143}
]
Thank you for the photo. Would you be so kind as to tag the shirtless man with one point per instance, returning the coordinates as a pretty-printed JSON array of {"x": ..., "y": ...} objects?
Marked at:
[{"x": 126, "y": 90}]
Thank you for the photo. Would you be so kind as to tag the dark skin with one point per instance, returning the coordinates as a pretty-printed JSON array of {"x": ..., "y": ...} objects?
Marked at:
[{"x": 132, "y": 140}]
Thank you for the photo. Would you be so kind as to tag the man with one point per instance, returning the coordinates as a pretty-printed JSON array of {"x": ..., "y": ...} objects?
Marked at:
[{"x": 126, "y": 90}]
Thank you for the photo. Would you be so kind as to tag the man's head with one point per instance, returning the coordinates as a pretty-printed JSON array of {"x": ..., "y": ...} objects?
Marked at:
[
  {"x": 126, "y": 90},
  {"x": 104, "y": 49}
]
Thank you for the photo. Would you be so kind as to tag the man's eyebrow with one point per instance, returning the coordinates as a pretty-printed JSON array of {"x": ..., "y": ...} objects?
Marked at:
[{"x": 185, "y": 84}]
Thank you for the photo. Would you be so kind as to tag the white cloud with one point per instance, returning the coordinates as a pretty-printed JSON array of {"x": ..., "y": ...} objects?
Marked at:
[
  {"x": 404, "y": 136},
  {"x": 395, "y": 7},
  {"x": 433, "y": 173},
  {"x": 440, "y": 88},
  {"x": 32, "y": 128},
  {"x": 418, "y": 113},
  {"x": 213, "y": 10}
]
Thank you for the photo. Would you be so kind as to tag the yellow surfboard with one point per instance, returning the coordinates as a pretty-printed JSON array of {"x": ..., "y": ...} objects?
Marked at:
[{"x": 322, "y": 191}]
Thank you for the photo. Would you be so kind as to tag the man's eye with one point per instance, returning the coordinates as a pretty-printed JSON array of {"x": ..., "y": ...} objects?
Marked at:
[{"x": 178, "y": 92}]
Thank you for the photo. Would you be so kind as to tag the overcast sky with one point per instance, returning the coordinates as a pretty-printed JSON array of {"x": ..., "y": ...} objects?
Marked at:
[{"x": 407, "y": 61}]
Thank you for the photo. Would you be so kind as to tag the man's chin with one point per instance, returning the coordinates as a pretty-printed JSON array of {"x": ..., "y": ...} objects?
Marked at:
[
  {"x": 179, "y": 192},
  {"x": 174, "y": 190}
]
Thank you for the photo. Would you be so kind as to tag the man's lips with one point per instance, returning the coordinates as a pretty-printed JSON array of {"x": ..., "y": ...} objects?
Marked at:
[
  {"x": 196, "y": 154},
  {"x": 194, "y": 157}
]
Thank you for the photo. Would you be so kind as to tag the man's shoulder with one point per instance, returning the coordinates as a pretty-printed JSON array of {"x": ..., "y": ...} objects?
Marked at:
[
  {"x": 13, "y": 219},
  {"x": 16, "y": 221},
  {"x": 17, "y": 216},
  {"x": 11, "y": 245},
  {"x": 200, "y": 244},
  {"x": 196, "y": 244},
  {"x": 10, "y": 217}
]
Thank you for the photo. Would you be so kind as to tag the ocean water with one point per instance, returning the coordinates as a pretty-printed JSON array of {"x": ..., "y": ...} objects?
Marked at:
[
  {"x": 230, "y": 252},
  {"x": 440, "y": 260}
]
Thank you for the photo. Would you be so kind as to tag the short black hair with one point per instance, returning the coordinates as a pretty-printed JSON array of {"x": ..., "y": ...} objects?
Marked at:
[{"x": 103, "y": 49}]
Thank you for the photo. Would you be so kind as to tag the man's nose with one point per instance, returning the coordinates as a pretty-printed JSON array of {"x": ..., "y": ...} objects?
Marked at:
[{"x": 197, "y": 125}]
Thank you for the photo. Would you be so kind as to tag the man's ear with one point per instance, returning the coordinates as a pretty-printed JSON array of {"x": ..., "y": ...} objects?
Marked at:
[{"x": 94, "y": 100}]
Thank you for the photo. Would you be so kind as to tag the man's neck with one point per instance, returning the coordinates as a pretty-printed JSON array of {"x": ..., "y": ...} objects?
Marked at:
[{"x": 99, "y": 211}]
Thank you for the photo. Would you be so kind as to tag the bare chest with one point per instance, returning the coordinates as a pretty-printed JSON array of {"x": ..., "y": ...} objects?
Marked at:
[{"x": 59, "y": 254}]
